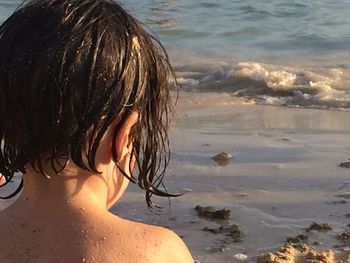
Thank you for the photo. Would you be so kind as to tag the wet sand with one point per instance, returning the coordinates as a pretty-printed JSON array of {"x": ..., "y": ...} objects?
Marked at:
[{"x": 284, "y": 175}]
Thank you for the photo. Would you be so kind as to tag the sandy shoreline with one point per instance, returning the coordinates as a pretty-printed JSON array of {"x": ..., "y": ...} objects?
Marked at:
[{"x": 284, "y": 176}]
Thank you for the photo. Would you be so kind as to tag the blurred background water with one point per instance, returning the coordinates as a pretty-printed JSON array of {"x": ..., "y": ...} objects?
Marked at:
[
  {"x": 250, "y": 29},
  {"x": 279, "y": 52}
]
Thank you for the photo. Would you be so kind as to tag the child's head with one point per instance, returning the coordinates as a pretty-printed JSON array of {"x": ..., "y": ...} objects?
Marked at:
[{"x": 68, "y": 70}]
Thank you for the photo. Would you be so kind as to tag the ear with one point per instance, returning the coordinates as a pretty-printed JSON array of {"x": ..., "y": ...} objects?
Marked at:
[
  {"x": 117, "y": 182},
  {"x": 124, "y": 142}
]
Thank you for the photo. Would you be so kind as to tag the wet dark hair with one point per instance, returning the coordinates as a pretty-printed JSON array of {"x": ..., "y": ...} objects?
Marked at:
[{"x": 68, "y": 69}]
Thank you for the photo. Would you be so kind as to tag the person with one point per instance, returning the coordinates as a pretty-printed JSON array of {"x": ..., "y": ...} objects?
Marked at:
[
  {"x": 2, "y": 179},
  {"x": 84, "y": 108}
]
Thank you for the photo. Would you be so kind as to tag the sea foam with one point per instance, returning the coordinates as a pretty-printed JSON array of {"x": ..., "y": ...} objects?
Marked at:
[{"x": 272, "y": 84}]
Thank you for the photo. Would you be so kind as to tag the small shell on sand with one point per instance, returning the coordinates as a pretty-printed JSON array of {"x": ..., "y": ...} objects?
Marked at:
[
  {"x": 240, "y": 257},
  {"x": 222, "y": 158}
]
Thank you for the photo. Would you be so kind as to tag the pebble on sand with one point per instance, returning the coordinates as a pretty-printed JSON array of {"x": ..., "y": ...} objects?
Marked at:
[
  {"x": 240, "y": 257},
  {"x": 222, "y": 158}
]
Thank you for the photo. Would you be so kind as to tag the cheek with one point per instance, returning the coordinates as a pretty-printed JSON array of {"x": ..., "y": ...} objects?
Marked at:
[{"x": 2, "y": 179}]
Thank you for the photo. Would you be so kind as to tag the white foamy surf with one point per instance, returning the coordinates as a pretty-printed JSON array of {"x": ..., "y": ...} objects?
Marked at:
[{"x": 297, "y": 86}]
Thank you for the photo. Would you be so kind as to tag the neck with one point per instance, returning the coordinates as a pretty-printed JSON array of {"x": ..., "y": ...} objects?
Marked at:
[{"x": 71, "y": 192}]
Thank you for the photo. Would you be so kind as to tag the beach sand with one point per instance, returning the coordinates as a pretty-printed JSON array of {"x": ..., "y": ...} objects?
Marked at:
[{"x": 283, "y": 177}]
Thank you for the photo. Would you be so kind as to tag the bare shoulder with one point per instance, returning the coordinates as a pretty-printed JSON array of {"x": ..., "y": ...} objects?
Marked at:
[
  {"x": 172, "y": 247},
  {"x": 159, "y": 244}
]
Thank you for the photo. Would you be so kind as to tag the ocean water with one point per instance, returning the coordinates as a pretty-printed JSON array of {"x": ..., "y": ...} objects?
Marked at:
[{"x": 279, "y": 52}]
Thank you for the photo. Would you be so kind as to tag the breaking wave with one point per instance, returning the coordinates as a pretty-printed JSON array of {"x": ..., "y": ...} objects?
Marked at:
[{"x": 322, "y": 88}]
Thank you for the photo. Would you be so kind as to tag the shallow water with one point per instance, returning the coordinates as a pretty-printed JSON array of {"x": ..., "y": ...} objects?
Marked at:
[
  {"x": 274, "y": 52},
  {"x": 249, "y": 29}
]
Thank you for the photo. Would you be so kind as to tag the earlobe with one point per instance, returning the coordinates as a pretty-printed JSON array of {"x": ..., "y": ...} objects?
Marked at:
[{"x": 125, "y": 152}]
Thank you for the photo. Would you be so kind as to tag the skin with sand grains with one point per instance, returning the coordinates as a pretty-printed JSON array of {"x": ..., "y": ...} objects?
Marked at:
[{"x": 90, "y": 106}]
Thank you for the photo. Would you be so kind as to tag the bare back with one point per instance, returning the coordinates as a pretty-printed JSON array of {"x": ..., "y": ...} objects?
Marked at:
[{"x": 107, "y": 239}]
